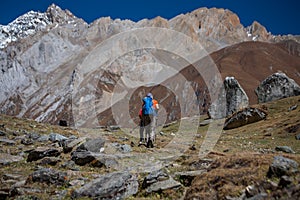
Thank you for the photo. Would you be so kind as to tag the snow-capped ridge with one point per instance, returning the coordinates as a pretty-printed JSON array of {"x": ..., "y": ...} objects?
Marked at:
[
  {"x": 25, "y": 25},
  {"x": 32, "y": 22}
]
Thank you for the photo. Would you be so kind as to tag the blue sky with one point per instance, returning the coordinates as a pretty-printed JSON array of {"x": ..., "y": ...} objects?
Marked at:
[{"x": 278, "y": 16}]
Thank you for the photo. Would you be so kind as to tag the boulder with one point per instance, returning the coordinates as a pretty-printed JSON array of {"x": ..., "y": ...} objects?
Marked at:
[
  {"x": 246, "y": 116},
  {"x": 49, "y": 176},
  {"x": 70, "y": 144},
  {"x": 54, "y": 137},
  {"x": 82, "y": 157},
  {"x": 92, "y": 145},
  {"x": 297, "y": 137},
  {"x": 277, "y": 86},
  {"x": 42, "y": 152},
  {"x": 117, "y": 185},
  {"x": 94, "y": 159},
  {"x": 282, "y": 166},
  {"x": 236, "y": 97},
  {"x": 6, "y": 159},
  {"x": 231, "y": 98},
  {"x": 154, "y": 177},
  {"x": 163, "y": 185}
]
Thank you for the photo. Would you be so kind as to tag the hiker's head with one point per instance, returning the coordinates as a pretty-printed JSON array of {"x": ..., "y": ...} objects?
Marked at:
[{"x": 150, "y": 95}]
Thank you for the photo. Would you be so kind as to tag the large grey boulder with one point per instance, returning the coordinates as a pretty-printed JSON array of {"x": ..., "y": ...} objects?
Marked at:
[
  {"x": 118, "y": 185},
  {"x": 277, "y": 86},
  {"x": 236, "y": 97},
  {"x": 231, "y": 98}
]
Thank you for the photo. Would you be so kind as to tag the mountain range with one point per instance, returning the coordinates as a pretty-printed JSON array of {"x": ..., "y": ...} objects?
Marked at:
[{"x": 56, "y": 67}]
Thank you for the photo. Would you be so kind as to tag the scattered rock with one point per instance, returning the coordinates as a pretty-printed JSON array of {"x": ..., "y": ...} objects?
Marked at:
[
  {"x": 282, "y": 166},
  {"x": 42, "y": 152},
  {"x": 187, "y": 177},
  {"x": 50, "y": 176},
  {"x": 6, "y": 159},
  {"x": 43, "y": 138},
  {"x": 49, "y": 161},
  {"x": 154, "y": 177},
  {"x": 77, "y": 182},
  {"x": 118, "y": 185},
  {"x": 205, "y": 122},
  {"x": 163, "y": 185},
  {"x": 244, "y": 117},
  {"x": 7, "y": 141},
  {"x": 70, "y": 165},
  {"x": 92, "y": 145},
  {"x": 285, "y": 181},
  {"x": 70, "y": 144},
  {"x": 82, "y": 157},
  {"x": 113, "y": 128},
  {"x": 109, "y": 161},
  {"x": 251, "y": 191},
  {"x": 54, "y": 137},
  {"x": 293, "y": 128},
  {"x": 27, "y": 141},
  {"x": 285, "y": 149},
  {"x": 124, "y": 148},
  {"x": 2, "y": 133},
  {"x": 277, "y": 86},
  {"x": 294, "y": 107},
  {"x": 34, "y": 136}
]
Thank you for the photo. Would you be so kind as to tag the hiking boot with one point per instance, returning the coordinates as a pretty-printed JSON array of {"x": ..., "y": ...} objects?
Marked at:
[
  {"x": 150, "y": 144},
  {"x": 142, "y": 141}
]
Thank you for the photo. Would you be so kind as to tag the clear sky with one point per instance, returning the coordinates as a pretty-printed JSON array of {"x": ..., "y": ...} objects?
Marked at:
[{"x": 278, "y": 16}]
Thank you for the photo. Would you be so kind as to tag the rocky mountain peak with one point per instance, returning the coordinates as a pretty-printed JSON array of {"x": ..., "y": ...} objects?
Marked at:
[
  {"x": 258, "y": 32},
  {"x": 57, "y": 15}
]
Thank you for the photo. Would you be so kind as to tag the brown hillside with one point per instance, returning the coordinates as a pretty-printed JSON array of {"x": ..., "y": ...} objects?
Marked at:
[
  {"x": 249, "y": 62},
  {"x": 252, "y": 62}
]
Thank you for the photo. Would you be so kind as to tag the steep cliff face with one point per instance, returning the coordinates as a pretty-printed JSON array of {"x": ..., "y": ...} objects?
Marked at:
[{"x": 53, "y": 61}]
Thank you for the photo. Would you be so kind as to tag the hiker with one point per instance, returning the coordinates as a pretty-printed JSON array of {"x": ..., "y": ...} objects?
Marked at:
[{"x": 146, "y": 116}]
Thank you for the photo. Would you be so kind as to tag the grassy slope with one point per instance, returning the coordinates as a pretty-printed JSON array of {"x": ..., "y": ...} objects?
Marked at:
[{"x": 241, "y": 156}]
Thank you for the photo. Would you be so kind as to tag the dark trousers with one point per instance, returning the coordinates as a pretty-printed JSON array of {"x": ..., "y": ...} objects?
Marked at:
[{"x": 145, "y": 124}]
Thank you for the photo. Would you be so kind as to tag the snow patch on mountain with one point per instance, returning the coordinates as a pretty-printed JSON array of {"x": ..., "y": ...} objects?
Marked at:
[{"x": 22, "y": 27}]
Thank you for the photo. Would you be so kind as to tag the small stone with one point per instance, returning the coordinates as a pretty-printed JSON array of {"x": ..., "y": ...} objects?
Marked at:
[
  {"x": 294, "y": 107},
  {"x": 285, "y": 181},
  {"x": 54, "y": 137},
  {"x": 285, "y": 149},
  {"x": 251, "y": 191},
  {"x": 282, "y": 166},
  {"x": 297, "y": 137}
]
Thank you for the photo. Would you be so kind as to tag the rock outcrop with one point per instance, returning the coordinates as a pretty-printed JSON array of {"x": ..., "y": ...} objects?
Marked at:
[
  {"x": 244, "y": 117},
  {"x": 118, "y": 185},
  {"x": 277, "y": 86},
  {"x": 232, "y": 97},
  {"x": 236, "y": 98}
]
